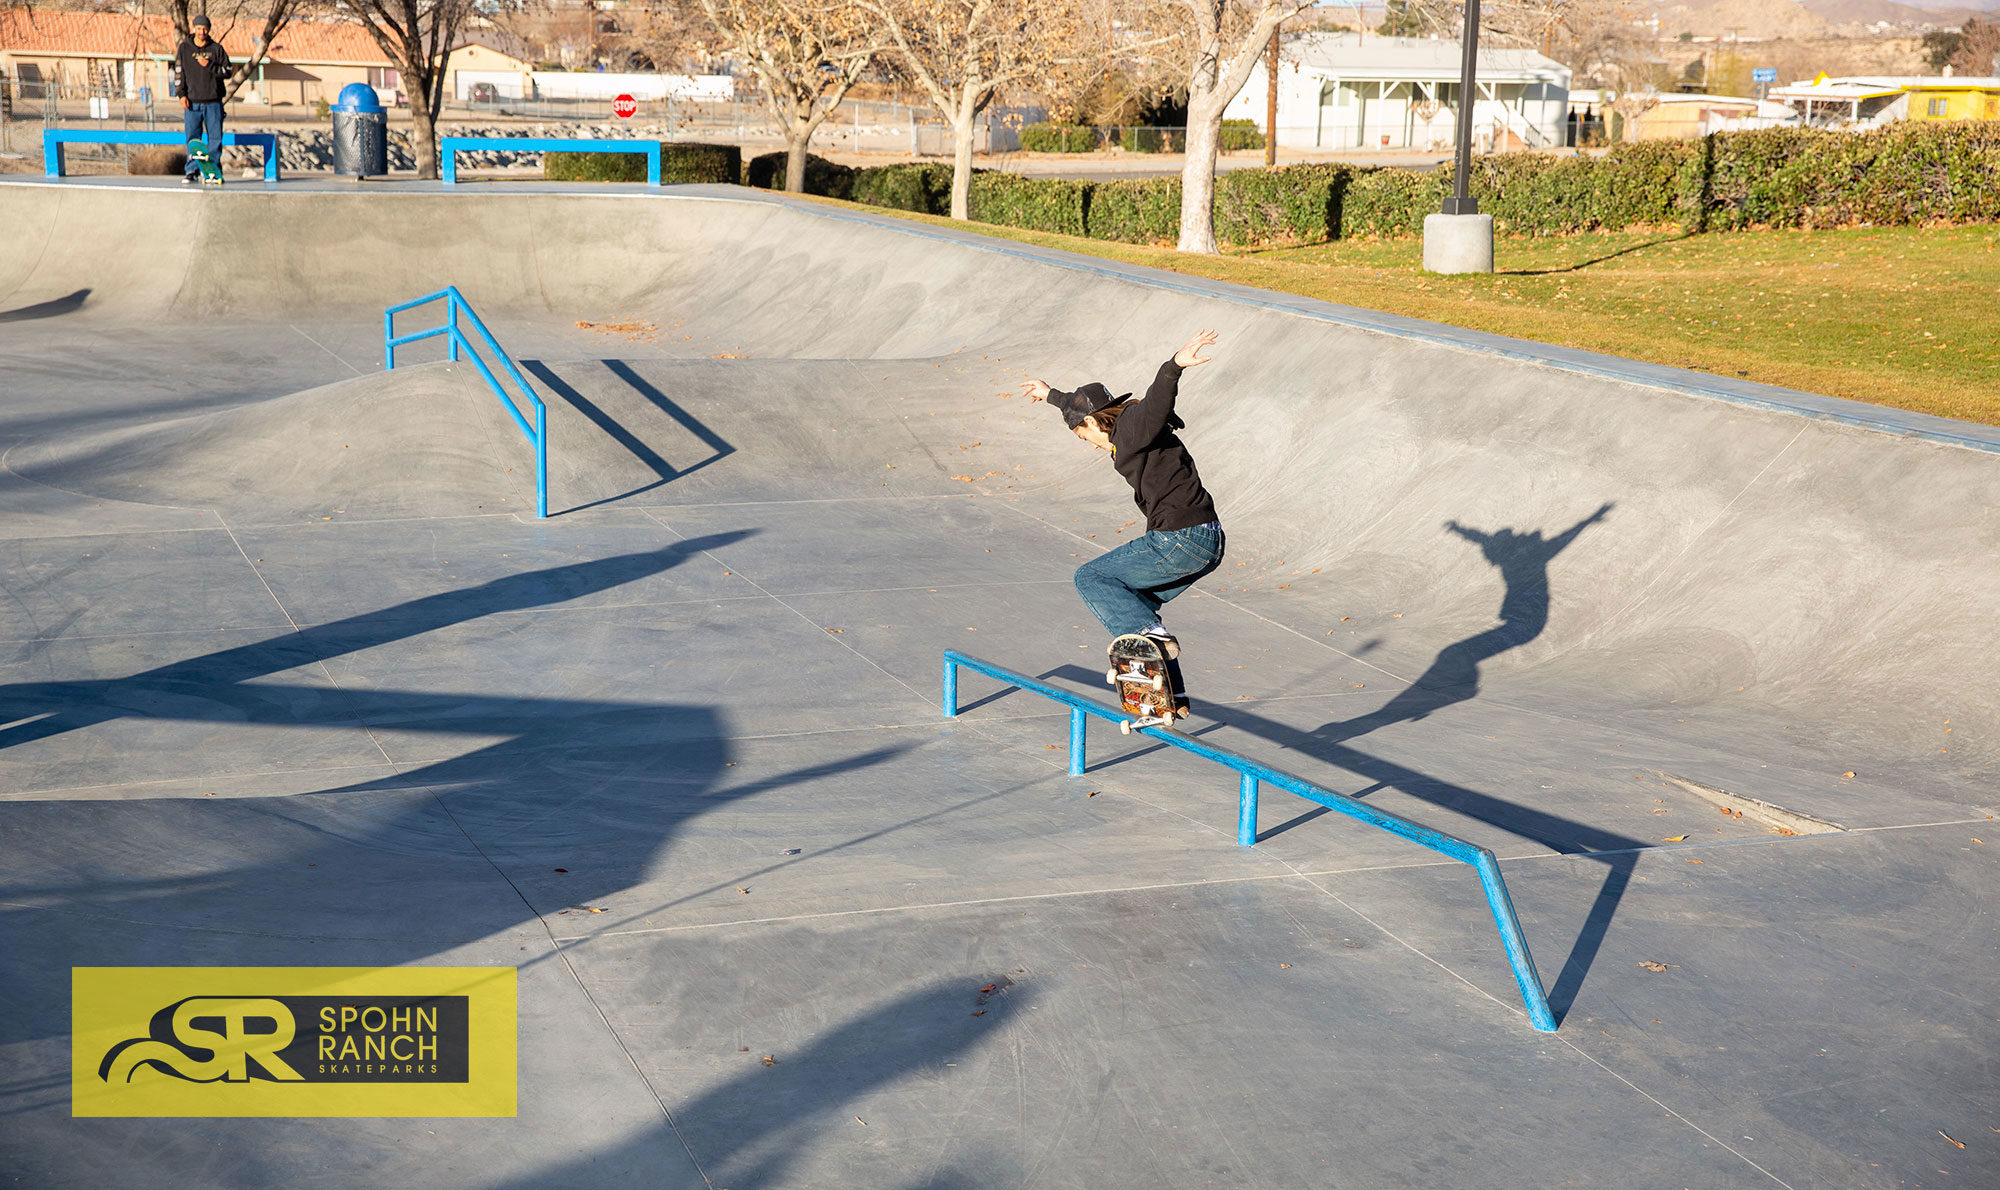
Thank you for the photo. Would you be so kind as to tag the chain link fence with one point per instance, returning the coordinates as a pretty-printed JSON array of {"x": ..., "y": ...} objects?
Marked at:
[{"x": 28, "y": 106}]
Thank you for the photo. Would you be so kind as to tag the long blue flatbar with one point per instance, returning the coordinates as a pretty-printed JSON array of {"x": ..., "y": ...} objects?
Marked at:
[
  {"x": 1253, "y": 773},
  {"x": 451, "y": 146},
  {"x": 53, "y": 140}
]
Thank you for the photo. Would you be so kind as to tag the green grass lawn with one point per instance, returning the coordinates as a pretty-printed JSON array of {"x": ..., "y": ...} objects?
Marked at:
[{"x": 1907, "y": 317}]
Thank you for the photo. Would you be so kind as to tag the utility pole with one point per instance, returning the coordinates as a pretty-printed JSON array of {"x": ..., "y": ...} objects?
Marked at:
[{"x": 1271, "y": 104}]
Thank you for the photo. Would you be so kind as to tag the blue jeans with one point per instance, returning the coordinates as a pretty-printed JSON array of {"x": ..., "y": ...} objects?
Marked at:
[
  {"x": 1125, "y": 588},
  {"x": 205, "y": 121}
]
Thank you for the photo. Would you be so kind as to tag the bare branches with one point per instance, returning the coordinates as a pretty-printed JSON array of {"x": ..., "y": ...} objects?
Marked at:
[
  {"x": 417, "y": 35},
  {"x": 807, "y": 54},
  {"x": 964, "y": 53}
]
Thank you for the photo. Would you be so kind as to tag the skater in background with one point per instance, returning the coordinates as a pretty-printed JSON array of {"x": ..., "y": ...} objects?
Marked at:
[
  {"x": 1183, "y": 541},
  {"x": 201, "y": 75}
]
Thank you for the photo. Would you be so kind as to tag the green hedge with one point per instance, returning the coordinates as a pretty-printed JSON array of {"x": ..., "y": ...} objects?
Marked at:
[
  {"x": 594, "y": 167},
  {"x": 1909, "y": 173},
  {"x": 1135, "y": 210},
  {"x": 1241, "y": 134},
  {"x": 766, "y": 171},
  {"x": 1058, "y": 138},
  {"x": 684, "y": 164},
  {"x": 1037, "y": 204},
  {"x": 925, "y": 188},
  {"x": 1289, "y": 204}
]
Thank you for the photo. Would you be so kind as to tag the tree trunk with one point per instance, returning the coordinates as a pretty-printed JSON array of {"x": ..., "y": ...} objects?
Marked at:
[
  {"x": 1204, "y": 132},
  {"x": 423, "y": 131},
  {"x": 796, "y": 139},
  {"x": 961, "y": 160}
]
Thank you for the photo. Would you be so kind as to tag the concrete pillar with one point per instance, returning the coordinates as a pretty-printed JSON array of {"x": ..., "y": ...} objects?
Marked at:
[{"x": 1458, "y": 243}]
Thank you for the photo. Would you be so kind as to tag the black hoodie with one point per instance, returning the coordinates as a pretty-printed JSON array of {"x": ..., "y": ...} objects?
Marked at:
[
  {"x": 199, "y": 83},
  {"x": 1151, "y": 457}
]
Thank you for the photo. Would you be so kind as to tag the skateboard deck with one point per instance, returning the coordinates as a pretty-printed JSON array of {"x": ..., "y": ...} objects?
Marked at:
[
  {"x": 1148, "y": 682},
  {"x": 211, "y": 170}
]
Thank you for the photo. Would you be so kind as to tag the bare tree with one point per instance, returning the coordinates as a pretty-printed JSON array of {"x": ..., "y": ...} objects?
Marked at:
[
  {"x": 1978, "y": 49},
  {"x": 807, "y": 53},
  {"x": 1217, "y": 43},
  {"x": 418, "y": 36},
  {"x": 963, "y": 53}
]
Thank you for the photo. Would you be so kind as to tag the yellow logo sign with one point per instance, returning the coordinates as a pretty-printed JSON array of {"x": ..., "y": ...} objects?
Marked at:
[{"x": 292, "y": 1041}]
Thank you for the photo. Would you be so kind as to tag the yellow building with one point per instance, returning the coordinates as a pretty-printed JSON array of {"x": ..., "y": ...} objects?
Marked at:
[
  {"x": 1955, "y": 99},
  {"x": 1872, "y": 102}
]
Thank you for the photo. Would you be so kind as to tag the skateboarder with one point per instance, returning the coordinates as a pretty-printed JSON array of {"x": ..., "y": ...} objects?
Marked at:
[
  {"x": 201, "y": 72},
  {"x": 1183, "y": 540}
]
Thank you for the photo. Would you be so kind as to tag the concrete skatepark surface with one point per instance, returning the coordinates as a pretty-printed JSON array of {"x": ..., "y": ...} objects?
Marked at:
[{"x": 293, "y": 677}]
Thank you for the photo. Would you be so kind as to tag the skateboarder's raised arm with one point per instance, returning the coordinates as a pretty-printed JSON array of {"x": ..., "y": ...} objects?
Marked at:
[{"x": 1146, "y": 418}]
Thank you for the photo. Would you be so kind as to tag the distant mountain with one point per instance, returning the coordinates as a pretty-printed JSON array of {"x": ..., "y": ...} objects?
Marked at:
[
  {"x": 1867, "y": 12},
  {"x": 1807, "y": 18}
]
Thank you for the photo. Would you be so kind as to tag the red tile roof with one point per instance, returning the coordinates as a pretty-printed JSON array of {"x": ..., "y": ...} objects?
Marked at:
[{"x": 118, "y": 35}]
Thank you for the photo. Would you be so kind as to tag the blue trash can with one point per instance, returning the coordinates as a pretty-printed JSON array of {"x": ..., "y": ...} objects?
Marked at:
[{"x": 360, "y": 132}]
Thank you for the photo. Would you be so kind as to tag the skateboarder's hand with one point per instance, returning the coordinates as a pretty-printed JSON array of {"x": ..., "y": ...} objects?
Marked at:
[
  {"x": 1035, "y": 390},
  {"x": 184, "y": 103},
  {"x": 1190, "y": 353}
]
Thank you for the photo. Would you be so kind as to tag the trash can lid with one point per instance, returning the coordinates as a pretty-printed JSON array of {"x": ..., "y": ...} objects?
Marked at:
[{"x": 357, "y": 97}]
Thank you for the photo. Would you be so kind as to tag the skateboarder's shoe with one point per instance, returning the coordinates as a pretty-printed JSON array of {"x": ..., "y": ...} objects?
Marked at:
[{"x": 1168, "y": 645}]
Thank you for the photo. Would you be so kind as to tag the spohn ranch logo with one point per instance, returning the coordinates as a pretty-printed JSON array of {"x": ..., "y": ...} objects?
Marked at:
[{"x": 293, "y": 1041}]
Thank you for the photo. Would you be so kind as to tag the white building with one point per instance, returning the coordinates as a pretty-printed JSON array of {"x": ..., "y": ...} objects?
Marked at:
[{"x": 1343, "y": 91}]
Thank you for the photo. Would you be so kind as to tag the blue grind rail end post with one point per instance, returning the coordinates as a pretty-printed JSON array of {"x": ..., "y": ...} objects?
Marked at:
[
  {"x": 541, "y": 461},
  {"x": 1076, "y": 720},
  {"x": 653, "y": 165},
  {"x": 1525, "y": 976},
  {"x": 388, "y": 340},
  {"x": 950, "y": 687}
]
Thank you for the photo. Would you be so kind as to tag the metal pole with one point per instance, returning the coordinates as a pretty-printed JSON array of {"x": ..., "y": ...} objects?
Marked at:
[
  {"x": 1516, "y": 944},
  {"x": 1246, "y": 811},
  {"x": 1460, "y": 201},
  {"x": 1076, "y": 719},
  {"x": 541, "y": 460},
  {"x": 950, "y": 688}
]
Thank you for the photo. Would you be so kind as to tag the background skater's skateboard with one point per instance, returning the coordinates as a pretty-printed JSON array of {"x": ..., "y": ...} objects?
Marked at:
[
  {"x": 1148, "y": 681},
  {"x": 211, "y": 171}
]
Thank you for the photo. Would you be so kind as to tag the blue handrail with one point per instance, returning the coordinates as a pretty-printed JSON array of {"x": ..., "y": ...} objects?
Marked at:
[
  {"x": 455, "y": 305},
  {"x": 1252, "y": 773}
]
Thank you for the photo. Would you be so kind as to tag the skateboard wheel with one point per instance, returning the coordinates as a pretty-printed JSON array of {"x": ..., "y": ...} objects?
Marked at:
[{"x": 1124, "y": 727}]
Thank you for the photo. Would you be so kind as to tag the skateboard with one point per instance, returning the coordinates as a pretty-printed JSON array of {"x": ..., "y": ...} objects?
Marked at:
[
  {"x": 211, "y": 172},
  {"x": 1147, "y": 673}
]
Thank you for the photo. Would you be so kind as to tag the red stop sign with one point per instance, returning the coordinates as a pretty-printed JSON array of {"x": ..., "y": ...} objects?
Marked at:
[{"x": 624, "y": 107}]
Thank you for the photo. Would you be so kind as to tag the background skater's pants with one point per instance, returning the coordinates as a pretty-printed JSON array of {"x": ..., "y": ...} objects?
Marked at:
[
  {"x": 205, "y": 121},
  {"x": 1125, "y": 588}
]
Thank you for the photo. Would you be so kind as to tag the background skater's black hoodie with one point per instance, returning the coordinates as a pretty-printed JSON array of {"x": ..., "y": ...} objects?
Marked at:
[{"x": 198, "y": 83}]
